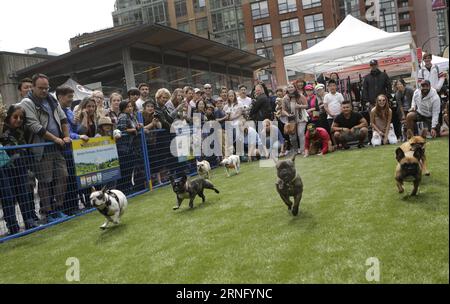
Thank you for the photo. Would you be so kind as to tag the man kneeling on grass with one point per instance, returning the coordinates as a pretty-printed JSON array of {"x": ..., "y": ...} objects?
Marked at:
[
  {"x": 317, "y": 141},
  {"x": 349, "y": 126}
]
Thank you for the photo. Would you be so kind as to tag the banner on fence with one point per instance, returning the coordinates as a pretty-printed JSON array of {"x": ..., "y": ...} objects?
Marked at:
[{"x": 96, "y": 161}]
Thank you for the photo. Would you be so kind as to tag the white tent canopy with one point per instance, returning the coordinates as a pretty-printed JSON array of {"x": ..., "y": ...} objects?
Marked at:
[
  {"x": 80, "y": 91},
  {"x": 353, "y": 42}
]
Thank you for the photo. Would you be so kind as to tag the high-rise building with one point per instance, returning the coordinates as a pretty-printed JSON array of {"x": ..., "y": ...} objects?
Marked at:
[
  {"x": 278, "y": 28},
  {"x": 219, "y": 20}
]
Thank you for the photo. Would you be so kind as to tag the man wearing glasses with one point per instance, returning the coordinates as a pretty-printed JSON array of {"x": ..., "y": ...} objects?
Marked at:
[
  {"x": 208, "y": 94},
  {"x": 46, "y": 122}
]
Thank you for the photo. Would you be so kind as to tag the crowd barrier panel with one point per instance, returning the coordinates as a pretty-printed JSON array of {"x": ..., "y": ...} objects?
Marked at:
[{"x": 146, "y": 163}]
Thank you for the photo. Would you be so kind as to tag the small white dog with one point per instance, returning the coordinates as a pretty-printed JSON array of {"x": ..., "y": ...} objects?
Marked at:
[
  {"x": 110, "y": 203},
  {"x": 203, "y": 169},
  {"x": 231, "y": 162}
]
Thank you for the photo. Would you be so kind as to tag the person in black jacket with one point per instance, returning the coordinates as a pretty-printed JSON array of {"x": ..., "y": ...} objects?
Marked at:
[
  {"x": 261, "y": 108},
  {"x": 374, "y": 84},
  {"x": 161, "y": 111}
]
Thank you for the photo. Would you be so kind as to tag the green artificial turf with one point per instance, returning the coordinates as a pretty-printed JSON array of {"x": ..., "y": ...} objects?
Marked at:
[{"x": 350, "y": 211}]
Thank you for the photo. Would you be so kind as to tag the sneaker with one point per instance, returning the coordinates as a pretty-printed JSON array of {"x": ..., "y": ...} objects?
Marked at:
[
  {"x": 42, "y": 221},
  {"x": 30, "y": 224},
  {"x": 51, "y": 217},
  {"x": 14, "y": 229},
  {"x": 60, "y": 214}
]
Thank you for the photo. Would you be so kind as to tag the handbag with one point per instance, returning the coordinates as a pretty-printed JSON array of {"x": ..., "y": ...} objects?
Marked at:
[{"x": 291, "y": 126}]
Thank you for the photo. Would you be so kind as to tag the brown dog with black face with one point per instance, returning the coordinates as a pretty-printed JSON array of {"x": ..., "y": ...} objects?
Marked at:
[
  {"x": 408, "y": 168},
  {"x": 417, "y": 142}
]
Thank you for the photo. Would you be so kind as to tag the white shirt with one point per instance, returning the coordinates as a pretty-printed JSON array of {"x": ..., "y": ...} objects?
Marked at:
[
  {"x": 433, "y": 76},
  {"x": 247, "y": 101},
  {"x": 428, "y": 106},
  {"x": 140, "y": 104},
  {"x": 235, "y": 112},
  {"x": 333, "y": 101}
]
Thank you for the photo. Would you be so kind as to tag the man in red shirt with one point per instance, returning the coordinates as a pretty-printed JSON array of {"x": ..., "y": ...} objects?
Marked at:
[{"x": 317, "y": 141}]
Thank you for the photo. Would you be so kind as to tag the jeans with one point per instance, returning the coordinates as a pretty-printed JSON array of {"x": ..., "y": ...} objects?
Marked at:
[{"x": 14, "y": 188}]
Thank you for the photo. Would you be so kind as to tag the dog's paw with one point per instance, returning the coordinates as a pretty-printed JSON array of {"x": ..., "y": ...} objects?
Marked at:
[
  {"x": 427, "y": 173},
  {"x": 176, "y": 208},
  {"x": 295, "y": 211},
  {"x": 103, "y": 227}
]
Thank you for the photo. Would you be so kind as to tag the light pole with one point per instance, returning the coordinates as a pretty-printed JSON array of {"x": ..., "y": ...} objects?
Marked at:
[{"x": 438, "y": 36}]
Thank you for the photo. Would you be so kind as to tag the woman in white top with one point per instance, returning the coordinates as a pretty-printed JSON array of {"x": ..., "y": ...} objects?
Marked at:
[
  {"x": 234, "y": 117},
  {"x": 380, "y": 121}
]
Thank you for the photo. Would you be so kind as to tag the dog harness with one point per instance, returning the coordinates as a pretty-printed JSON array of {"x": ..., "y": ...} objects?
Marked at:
[
  {"x": 105, "y": 210},
  {"x": 290, "y": 185}
]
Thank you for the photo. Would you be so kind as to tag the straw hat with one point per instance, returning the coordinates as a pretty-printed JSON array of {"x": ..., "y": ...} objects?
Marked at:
[{"x": 104, "y": 121}]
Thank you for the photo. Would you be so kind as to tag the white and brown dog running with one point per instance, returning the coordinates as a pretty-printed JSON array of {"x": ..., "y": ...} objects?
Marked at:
[
  {"x": 231, "y": 162},
  {"x": 110, "y": 203},
  {"x": 203, "y": 169}
]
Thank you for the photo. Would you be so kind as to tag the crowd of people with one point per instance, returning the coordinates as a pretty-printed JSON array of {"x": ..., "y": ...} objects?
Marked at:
[{"x": 305, "y": 118}]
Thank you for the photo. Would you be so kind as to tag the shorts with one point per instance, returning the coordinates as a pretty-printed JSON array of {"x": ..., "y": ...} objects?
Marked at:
[
  {"x": 426, "y": 121},
  {"x": 354, "y": 136}
]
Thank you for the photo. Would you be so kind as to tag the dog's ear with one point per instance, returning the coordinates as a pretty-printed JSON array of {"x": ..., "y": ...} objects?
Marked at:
[
  {"x": 424, "y": 133},
  {"x": 104, "y": 189},
  {"x": 409, "y": 134},
  {"x": 399, "y": 154},
  {"x": 184, "y": 177},
  {"x": 93, "y": 189},
  {"x": 418, "y": 153}
]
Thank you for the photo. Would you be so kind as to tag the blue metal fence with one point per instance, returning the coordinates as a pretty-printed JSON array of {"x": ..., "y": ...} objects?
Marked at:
[{"x": 44, "y": 191}]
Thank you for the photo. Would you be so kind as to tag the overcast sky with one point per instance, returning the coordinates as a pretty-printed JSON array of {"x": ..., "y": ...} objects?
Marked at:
[{"x": 50, "y": 24}]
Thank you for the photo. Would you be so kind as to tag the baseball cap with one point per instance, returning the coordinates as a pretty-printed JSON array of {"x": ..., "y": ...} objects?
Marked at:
[
  {"x": 196, "y": 90},
  {"x": 373, "y": 62},
  {"x": 319, "y": 86},
  {"x": 427, "y": 82}
]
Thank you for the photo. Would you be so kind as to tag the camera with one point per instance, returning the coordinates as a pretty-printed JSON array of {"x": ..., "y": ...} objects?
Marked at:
[{"x": 157, "y": 115}]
